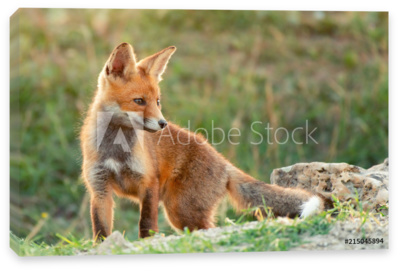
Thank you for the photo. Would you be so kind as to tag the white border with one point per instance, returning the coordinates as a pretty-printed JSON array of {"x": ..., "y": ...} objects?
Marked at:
[{"x": 272, "y": 261}]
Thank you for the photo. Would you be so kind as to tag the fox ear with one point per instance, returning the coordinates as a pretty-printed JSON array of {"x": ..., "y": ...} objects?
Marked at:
[
  {"x": 122, "y": 62},
  {"x": 155, "y": 65}
]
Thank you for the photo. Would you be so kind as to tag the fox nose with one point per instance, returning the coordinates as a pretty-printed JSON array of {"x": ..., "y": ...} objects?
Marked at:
[{"x": 162, "y": 123}]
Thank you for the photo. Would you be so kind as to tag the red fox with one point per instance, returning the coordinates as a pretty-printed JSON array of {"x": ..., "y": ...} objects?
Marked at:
[{"x": 188, "y": 179}]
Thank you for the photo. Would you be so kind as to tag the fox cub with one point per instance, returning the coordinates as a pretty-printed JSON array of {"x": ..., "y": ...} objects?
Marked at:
[{"x": 124, "y": 154}]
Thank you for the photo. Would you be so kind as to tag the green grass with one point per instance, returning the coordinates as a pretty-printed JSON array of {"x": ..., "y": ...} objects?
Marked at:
[
  {"x": 232, "y": 67},
  {"x": 268, "y": 235}
]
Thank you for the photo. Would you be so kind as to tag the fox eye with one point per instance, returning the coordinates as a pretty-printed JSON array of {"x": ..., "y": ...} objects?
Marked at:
[
  {"x": 158, "y": 102},
  {"x": 139, "y": 101}
]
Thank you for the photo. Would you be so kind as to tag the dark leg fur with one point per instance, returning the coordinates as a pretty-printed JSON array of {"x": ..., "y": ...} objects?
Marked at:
[{"x": 148, "y": 213}]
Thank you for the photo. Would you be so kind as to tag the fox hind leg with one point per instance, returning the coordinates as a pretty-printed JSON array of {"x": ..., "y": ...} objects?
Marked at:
[{"x": 190, "y": 217}]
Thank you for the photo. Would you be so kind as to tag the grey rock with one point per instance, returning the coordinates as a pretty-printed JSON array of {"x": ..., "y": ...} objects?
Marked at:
[{"x": 347, "y": 182}]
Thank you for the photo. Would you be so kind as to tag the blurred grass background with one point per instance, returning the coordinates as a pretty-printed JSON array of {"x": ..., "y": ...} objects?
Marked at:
[{"x": 233, "y": 67}]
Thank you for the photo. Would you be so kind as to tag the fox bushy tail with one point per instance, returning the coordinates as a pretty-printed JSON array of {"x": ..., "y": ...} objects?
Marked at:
[{"x": 245, "y": 191}]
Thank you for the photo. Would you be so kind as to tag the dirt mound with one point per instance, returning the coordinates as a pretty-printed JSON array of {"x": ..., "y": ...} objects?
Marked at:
[{"x": 349, "y": 235}]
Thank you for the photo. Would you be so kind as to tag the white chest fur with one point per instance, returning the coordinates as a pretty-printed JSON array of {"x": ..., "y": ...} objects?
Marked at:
[{"x": 134, "y": 164}]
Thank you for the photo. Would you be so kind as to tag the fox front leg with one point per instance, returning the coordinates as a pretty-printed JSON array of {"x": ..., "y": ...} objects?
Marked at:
[
  {"x": 101, "y": 211},
  {"x": 148, "y": 212}
]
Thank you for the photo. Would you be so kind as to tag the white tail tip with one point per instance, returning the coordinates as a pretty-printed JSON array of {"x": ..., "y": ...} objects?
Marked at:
[{"x": 312, "y": 206}]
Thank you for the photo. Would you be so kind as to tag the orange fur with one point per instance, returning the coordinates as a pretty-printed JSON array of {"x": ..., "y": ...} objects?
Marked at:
[{"x": 188, "y": 179}]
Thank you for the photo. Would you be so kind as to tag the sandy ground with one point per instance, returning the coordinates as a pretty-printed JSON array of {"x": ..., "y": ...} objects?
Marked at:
[{"x": 334, "y": 240}]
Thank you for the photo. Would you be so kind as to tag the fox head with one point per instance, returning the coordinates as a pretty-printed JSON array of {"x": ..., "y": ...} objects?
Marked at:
[{"x": 130, "y": 88}]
